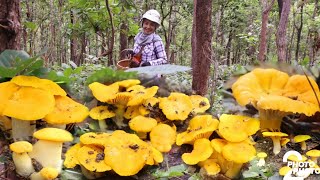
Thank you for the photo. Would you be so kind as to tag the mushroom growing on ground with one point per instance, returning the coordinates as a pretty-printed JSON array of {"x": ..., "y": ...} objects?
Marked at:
[
  {"x": 302, "y": 140},
  {"x": 275, "y": 136},
  {"x": 142, "y": 125},
  {"x": 48, "y": 149},
  {"x": 162, "y": 137},
  {"x": 101, "y": 113},
  {"x": 202, "y": 150},
  {"x": 46, "y": 173},
  {"x": 314, "y": 154},
  {"x": 261, "y": 156},
  {"x": 21, "y": 159},
  {"x": 271, "y": 92}
]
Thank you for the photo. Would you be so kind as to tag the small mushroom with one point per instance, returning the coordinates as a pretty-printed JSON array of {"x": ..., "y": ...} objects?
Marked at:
[
  {"x": 202, "y": 150},
  {"x": 46, "y": 173},
  {"x": 302, "y": 140},
  {"x": 275, "y": 136},
  {"x": 284, "y": 141},
  {"x": 261, "y": 156},
  {"x": 162, "y": 137},
  {"x": 199, "y": 103},
  {"x": 210, "y": 166},
  {"x": 101, "y": 113},
  {"x": 21, "y": 159},
  {"x": 284, "y": 170},
  {"x": 142, "y": 125},
  {"x": 314, "y": 154},
  {"x": 48, "y": 149}
]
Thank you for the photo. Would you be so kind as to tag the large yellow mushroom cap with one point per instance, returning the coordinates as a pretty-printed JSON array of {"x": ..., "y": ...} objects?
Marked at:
[
  {"x": 200, "y": 126},
  {"x": 44, "y": 84},
  {"x": 176, "y": 107},
  {"x": 237, "y": 128},
  {"x": 53, "y": 134},
  {"x": 101, "y": 113},
  {"x": 240, "y": 152},
  {"x": 202, "y": 150},
  {"x": 67, "y": 111},
  {"x": 142, "y": 124},
  {"x": 23, "y": 105},
  {"x": 21, "y": 147},
  {"x": 102, "y": 92},
  {"x": 125, "y": 153},
  {"x": 71, "y": 159},
  {"x": 162, "y": 137},
  {"x": 92, "y": 158},
  {"x": 7, "y": 89}
]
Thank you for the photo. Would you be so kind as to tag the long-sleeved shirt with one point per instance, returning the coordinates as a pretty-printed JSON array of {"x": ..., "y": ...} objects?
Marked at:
[{"x": 154, "y": 53}]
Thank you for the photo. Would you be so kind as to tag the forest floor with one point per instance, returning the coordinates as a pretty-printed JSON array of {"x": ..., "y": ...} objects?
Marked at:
[{"x": 173, "y": 158}]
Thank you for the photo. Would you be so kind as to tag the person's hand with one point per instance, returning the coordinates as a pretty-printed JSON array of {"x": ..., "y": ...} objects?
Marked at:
[{"x": 145, "y": 64}]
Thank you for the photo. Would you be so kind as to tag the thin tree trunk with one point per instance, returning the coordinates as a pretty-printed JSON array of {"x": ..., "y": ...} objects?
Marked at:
[
  {"x": 201, "y": 41},
  {"x": 123, "y": 39},
  {"x": 281, "y": 32},
  {"x": 10, "y": 27},
  {"x": 299, "y": 30},
  {"x": 228, "y": 48},
  {"x": 111, "y": 40},
  {"x": 73, "y": 42},
  {"x": 264, "y": 29}
]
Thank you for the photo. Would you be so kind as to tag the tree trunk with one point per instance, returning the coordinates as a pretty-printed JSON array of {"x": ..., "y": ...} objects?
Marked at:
[
  {"x": 123, "y": 39},
  {"x": 228, "y": 48},
  {"x": 281, "y": 31},
  {"x": 10, "y": 27},
  {"x": 111, "y": 40},
  {"x": 264, "y": 29},
  {"x": 299, "y": 30},
  {"x": 73, "y": 42},
  {"x": 201, "y": 43},
  {"x": 311, "y": 35}
]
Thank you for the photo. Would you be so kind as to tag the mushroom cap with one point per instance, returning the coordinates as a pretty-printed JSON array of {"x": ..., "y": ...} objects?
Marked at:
[
  {"x": 21, "y": 147},
  {"x": 295, "y": 158},
  {"x": 71, "y": 159},
  {"x": 313, "y": 153},
  {"x": 92, "y": 158},
  {"x": 120, "y": 98},
  {"x": 262, "y": 155},
  {"x": 99, "y": 91},
  {"x": 53, "y": 134},
  {"x": 199, "y": 103},
  {"x": 284, "y": 141},
  {"x": 29, "y": 107},
  {"x": 237, "y": 128},
  {"x": 152, "y": 101},
  {"x": 128, "y": 83},
  {"x": 274, "y": 134},
  {"x": 126, "y": 153},
  {"x": 218, "y": 144},
  {"x": 132, "y": 112},
  {"x": 275, "y": 90},
  {"x": 284, "y": 170},
  {"x": 49, "y": 173},
  {"x": 142, "y": 124},
  {"x": 7, "y": 89},
  {"x": 44, "y": 84},
  {"x": 200, "y": 126},
  {"x": 211, "y": 166},
  {"x": 176, "y": 107},
  {"x": 202, "y": 150},
  {"x": 101, "y": 113},
  {"x": 139, "y": 96},
  {"x": 67, "y": 111},
  {"x": 301, "y": 138},
  {"x": 240, "y": 152},
  {"x": 92, "y": 138},
  {"x": 162, "y": 137}
]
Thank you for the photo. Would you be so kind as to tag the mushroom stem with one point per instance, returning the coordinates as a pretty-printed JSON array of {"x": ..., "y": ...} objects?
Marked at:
[
  {"x": 234, "y": 171},
  {"x": 103, "y": 125},
  {"x": 21, "y": 130},
  {"x": 118, "y": 119},
  {"x": 23, "y": 164},
  {"x": 261, "y": 162},
  {"x": 271, "y": 119},
  {"x": 276, "y": 145},
  {"x": 48, "y": 153},
  {"x": 303, "y": 145},
  {"x": 59, "y": 126}
]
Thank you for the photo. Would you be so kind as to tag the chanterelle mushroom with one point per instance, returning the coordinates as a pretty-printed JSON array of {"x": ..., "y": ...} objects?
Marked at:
[
  {"x": 47, "y": 150},
  {"x": 276, "y": 95}
]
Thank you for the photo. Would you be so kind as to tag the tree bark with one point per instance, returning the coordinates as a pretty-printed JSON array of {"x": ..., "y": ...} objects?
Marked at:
[
  {"x": 281, "y": 31},
  {"x": 10, "y": 27},
  {"x": 123, "y": 39},
  {"x": 201, "y": 43},
  {"x": 299, "y": 30},
  {"x": 264, "y": 29},
  {"x": 111, "y": 40}
]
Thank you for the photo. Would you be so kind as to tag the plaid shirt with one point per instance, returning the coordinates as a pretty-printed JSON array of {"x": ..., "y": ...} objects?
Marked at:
[{"x": 153, "y": 53}]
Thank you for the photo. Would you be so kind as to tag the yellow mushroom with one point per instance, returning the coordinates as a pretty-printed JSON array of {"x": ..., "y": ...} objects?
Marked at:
[
  {"x": 302, "y": 140},
  {"x": 101, "y": 113},
  {"x": 210, "y": 166},
  {"x": 21, "y": 159},
  {"x": 162, "y": 137},
  {"x": 142, "y": 125},
  {"x": 199, "y": 103},
  {"x": 46, "y": 173},
  {"x": 275, "y": 136},
  {"x": 261, "y": 156},
  {"x": 202, "y": 150},
  {"x": 314, "y": 154},
  {"x": 71, "y": 159}
]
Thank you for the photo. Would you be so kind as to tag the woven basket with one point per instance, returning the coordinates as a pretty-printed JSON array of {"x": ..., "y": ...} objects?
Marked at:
[{"x": 123, "y": 64}]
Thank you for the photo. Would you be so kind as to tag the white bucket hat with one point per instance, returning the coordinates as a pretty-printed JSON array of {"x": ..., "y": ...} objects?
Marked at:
[{"x": 152, "y": 15}]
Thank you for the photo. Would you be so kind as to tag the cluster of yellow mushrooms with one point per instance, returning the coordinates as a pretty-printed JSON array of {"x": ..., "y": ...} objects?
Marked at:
[{"x": 220, "y": 145}]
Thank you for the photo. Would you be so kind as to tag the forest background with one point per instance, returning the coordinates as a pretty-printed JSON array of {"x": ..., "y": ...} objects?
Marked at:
[{"x": 195, "y": 33}]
